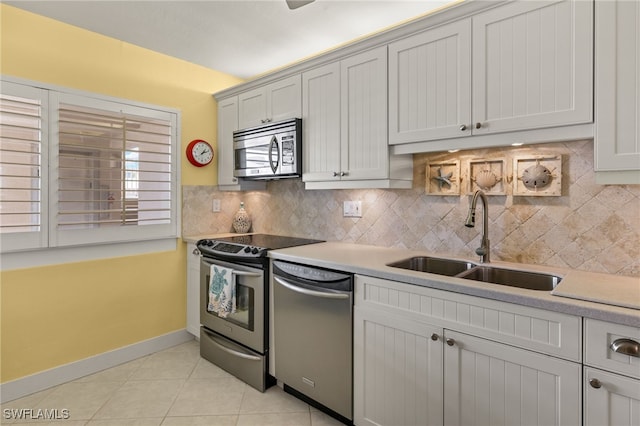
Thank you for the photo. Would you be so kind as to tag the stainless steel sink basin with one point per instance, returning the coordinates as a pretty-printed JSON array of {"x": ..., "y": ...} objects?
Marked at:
[
  {"x": 513, "y": 278},
  {"x": 434, "y": 265}
]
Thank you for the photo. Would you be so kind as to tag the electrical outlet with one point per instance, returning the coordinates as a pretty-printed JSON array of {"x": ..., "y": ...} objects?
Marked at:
[
  {"x": 352, "y": 209},
  {"x": 215, "y": 206}
]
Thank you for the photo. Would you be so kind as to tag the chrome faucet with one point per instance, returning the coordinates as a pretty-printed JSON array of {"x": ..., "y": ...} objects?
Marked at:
[{"x": 484, "y": 250}]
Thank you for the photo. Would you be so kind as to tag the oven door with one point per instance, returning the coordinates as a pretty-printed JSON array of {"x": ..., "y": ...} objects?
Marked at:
[{"x": 246, "y": 326}]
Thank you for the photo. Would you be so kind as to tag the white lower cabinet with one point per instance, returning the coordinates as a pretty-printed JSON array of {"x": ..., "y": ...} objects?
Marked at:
[
  {"x": 430, "y": 357},
  {"x": 397, "y": 370},
  {"x": 193, "y": 290},
  {"x": 610, "y": 399},
  {"x": 489, "y": 383},
  {"x": 611, "y": 374}
]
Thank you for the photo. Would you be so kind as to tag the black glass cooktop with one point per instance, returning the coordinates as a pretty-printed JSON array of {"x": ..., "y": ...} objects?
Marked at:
[
  {"x": 249, "y": 246},
  {"x": 267, "y": 241}
]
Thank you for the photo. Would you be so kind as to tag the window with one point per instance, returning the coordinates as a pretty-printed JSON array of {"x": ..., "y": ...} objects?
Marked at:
[
  {"x": 23, "y": 124},
  {"x": 112, "y": 174}
]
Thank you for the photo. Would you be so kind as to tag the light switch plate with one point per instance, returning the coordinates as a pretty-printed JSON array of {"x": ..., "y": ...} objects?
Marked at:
[
  {"x": 352, "y": 209},
  {"x": 215, "y": 207}
]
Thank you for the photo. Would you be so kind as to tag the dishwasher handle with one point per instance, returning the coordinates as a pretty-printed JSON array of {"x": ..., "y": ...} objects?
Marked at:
[{"x": 291, "y": 286}]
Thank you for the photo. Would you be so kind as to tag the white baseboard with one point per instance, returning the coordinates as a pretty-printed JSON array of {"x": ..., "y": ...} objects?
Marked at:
[{"x": 39, "y": 381}]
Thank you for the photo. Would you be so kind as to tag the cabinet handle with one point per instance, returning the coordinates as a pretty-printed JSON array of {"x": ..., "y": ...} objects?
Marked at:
[
  {"x": 450, "y": 342},
  {"x": 344, "y": 173},
  {"x": 335, "y": 174},
  {"x": 463, "y": 127},
  {"x": 435, "y": 337},
  {"x": 478, "y": 125},
  {"x": 595, "y": 383},
  {"x": 626, "y": 347}
]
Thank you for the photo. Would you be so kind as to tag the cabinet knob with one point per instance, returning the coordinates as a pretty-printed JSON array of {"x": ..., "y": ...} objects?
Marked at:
[
  {"x": 463, "y": 127},
  {"x": 335, "y": 174},
  {"x": 478, "y": 125},
  {"x": 344, "y": 173},
  {"x": 626, "y": 347},
  {"x": 595, "y": 383},
  {"x": 434, "y": 337},
  {"x": 450, "y": 342},
  {"x": 196, "y": 252}
]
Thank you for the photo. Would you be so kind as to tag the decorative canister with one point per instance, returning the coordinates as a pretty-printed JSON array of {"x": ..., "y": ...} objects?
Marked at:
[{"x": 241, "y": 221}]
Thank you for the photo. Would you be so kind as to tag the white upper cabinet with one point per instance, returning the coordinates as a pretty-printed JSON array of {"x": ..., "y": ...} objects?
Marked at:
[
  {"x": 227, "y": 124},
  {"x": 430, "y": 84},
  {"x": 617, "y": 101},
  {"x": 363, "y": 106},
  {"x": 532, "y": 66},
  {"x": 344, "y": 120},
  {"x": 276, "y": 101},
  {"x": 321, "y": 122},
  {"x": 524, "y": 66}
]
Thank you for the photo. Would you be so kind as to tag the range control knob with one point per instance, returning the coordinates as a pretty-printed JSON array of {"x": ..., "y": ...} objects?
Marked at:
[
  {"x": 247, "y": 249},
  {"x": 254, "y": 250},
  {"x": 209, "y": 243}
]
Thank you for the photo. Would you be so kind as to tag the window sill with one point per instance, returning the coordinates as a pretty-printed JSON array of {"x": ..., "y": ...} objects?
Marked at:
[{"x": 58, "y": 255}]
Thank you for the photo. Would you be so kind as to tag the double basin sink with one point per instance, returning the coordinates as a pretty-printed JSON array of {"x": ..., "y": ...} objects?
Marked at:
[{"x": 482, "y": 272}]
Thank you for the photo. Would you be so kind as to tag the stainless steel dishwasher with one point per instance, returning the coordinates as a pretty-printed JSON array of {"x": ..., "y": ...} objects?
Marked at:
[{"x": 313, "y": 323}]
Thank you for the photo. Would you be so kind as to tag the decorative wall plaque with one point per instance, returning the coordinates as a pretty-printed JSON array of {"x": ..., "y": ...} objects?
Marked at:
[
  {"x": 488, "y": 175},
  {"x": 443, "y": 178},
  {"x": 537, "y": 176}
]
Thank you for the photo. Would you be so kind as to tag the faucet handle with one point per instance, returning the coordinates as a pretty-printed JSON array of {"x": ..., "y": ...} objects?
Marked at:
[{"x": 481, "y": 251}]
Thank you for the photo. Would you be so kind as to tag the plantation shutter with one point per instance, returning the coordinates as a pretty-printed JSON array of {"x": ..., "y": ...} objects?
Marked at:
[
  {"x": 116, "y": 173},
  {"x": 22, "y": 198}
]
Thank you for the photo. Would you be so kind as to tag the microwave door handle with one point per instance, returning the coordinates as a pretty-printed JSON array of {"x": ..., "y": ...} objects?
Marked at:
[{"x": 274, "y": 142}]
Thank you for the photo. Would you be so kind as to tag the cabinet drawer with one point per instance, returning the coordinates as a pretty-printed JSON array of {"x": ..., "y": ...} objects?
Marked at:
[
  {"x": 529, "y": 328},
  {"x": 599, "y": 338}
]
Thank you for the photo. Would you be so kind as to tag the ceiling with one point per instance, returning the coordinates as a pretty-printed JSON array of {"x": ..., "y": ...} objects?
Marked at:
[{"x": 243, "y": 38}]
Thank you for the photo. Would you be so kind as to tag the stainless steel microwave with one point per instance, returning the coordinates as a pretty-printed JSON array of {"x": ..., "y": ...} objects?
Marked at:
[{"x": 270, "y": 151}]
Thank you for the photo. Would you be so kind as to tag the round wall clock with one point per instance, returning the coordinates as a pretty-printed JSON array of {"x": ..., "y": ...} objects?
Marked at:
[{"x": 199, "y": 153}]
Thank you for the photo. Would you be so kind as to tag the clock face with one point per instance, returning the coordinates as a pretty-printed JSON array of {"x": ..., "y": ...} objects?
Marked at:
[{"x": 199, "y": 153}]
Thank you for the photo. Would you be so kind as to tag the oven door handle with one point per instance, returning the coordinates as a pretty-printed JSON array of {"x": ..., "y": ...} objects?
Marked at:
[
  {"x": 291, "y": 286},
  {"x": 231, "y": 351},
  {"x": 246, "y": 274}
]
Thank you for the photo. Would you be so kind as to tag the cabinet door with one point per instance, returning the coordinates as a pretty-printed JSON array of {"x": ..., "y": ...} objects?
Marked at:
[
  {"x": 532, "y": 65},
  {"x": 284, "y": 99},
  {"x": 321, "y": 123},
  {"x": 252, "y": 108},
  {"x": 610, "y": 399},
  {"x": 617, "y": 62},
  {"x": 227, "y": 124},
  {"x": 430, "y": 84},
  {"x": 489, "y": 383},
  {"x": 363, "y": 87},
  {"x": 277, "y": 101},
  {"x": 397, "y": 370},
  {"x": 193, "y": 290}
]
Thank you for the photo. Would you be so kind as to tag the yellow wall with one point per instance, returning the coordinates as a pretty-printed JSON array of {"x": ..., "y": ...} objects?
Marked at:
[{"x": 55, "y": 315}]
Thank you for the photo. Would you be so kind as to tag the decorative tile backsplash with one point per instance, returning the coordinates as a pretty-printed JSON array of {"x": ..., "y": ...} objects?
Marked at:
[{"x": 589, "y": 227}]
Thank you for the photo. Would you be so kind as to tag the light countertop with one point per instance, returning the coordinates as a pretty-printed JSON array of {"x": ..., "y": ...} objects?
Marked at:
[{"x": 613, "y": 290}]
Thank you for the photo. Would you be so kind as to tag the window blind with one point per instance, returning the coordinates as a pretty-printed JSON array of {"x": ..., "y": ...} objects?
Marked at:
[
  {"x": 20, "y": 164},
  {"x": 114, "y": 169}
]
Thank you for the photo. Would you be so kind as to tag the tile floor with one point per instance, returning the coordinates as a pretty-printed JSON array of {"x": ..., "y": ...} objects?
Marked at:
[{"x": 174, "y": 387}]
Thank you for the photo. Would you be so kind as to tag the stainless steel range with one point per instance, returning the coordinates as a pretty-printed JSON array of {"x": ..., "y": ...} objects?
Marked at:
[{"x": 234, "y": 317}]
